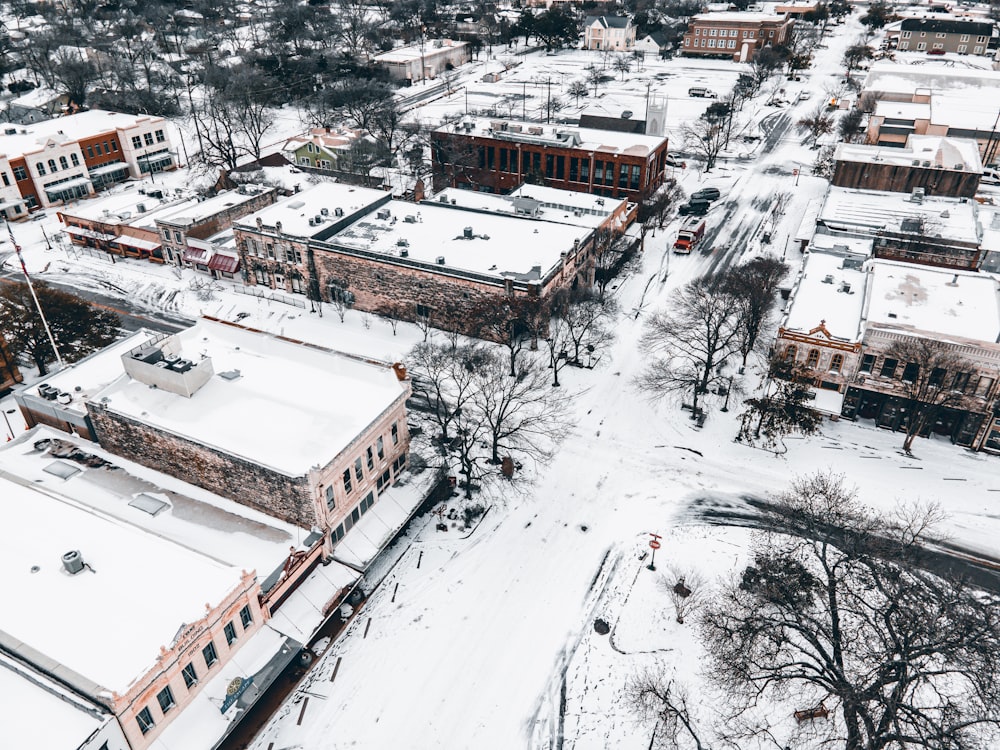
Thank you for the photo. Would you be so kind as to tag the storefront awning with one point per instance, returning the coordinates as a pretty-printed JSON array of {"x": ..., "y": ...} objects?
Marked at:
[
  {"x": 62, "y": 187},
  {"x": 195, "y": 255},
  {"x": 224, "y": 263},
  {"x": 10, "y": 204},
  {"x": 136, "y": 242},
  {"x": 118, "y": 166},
  {"x": 84, "y": 232}
]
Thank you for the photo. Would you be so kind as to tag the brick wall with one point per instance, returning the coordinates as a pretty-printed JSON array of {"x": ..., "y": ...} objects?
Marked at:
[{"x": 287, "y": 498}]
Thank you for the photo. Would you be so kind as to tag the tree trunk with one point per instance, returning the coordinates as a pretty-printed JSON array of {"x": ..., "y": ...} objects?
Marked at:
[{"x": 40, "y": 364}]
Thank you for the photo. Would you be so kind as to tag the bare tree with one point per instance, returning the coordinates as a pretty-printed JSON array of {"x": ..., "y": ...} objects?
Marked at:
[
  {"x": 512, "y": 322},
  {"x": 623, "y": 64},
  {"x": 392, "y": 313},
  {"x": 782, "y": 408},
  {"x": 443, "y": 380},
  {"x": 818, "y": 123},
  {"x": 595, "y": 77},
  {"x": 934, "y": 377},
  {"x": 657, "y": 699},
  {"x": 578, "y": 90},
  {"x": 687, "y": 590},
  {"x": 557, "y": 342},
  {"x": 689, "y": 342},
  {"x": 754, "y": 287},
  {"x": 840, "y": 616},
  {"x": 704, "y": 138},
  {"x": 587, "y": 318}
]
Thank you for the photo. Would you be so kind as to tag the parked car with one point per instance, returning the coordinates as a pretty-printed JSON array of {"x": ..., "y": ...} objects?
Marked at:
[
  {"x": 990, "y": 176},
  {"x": 804, "y": 96},
  {"x": 694, "y": 207},
  {"x": 706, "y": 194},
  {"x": 675, "y": 160}
]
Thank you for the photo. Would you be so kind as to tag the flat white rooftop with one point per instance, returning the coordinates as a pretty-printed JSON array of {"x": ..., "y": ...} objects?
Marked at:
[
  {"x": 138, "y": 496},
  {"x": 547, "y": 204},
  {"x": 192, "y": 212},
  {"x": 30, "y": 138},
  {"x": 500, "y": 245},
  {"x": 107, "y": 622},
  {"x": 565, "y": 136},
  {"x": 295, "y": 212},
  {"x": 738, "y": 17},
  {"x": 117, "y": 208},
  {"x": 955, "y": 154},
  {"x": 821, "y": 297},
  {"x": 870, "y": 210},
  {"x": 900, "y": 78},
  {"x": 29, "y": 696},
  {"x": 940, "y": 301},
  {"x": 291, "y": 407},
  {"x": 416, "y": 51},
  {"x": 903, "y": 110}
]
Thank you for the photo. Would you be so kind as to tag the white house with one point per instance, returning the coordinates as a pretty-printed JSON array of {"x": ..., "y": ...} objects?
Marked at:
[{"x": 609, "y": 33}]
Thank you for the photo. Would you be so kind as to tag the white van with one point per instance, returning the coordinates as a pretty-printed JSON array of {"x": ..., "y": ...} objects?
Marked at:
[{"x": 990, "y": 176}]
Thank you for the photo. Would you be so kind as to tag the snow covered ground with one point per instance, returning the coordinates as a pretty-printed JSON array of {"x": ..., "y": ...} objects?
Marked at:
[{"x": 487, "y": 640}]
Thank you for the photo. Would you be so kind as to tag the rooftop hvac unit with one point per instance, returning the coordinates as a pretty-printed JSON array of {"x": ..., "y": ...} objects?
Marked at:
[
  {"x": 514, "y": 128},
  {"x": 384, "y": 214},
  {"x": 828, "y": 279},
  {"x": 410, "y": 219},
  {"x": 467, "y": 233},
  {"x": 324, "y": 211},
  {"x": 312, "y": 222},
  {"x": 141, "y": 208},
  {"x": 440, "y": 260},
  {"x": 404, "y": 253},
  {"x": 927, "y": 163},
  {"x": 402, "y": 242},
  {"x": 10, "y": 131},
  {"x": 468, "y": 126},
  {"x": 535, "y": 130},
  {"x": 915, "y": 163},
  {"x": 182, "y": 365},
  {"x": 73, "y": 562},
  {"x": 338, "y": 211},
  {"x": 959, "y": 165},
  {"x": 443, "y": 199},
  {"x": 319, "y": 219}
]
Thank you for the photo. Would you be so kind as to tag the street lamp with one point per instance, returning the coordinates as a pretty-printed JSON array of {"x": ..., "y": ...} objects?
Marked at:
[
  {"x": 9, "y": 428},
  {"x": 725, "y": 406}
]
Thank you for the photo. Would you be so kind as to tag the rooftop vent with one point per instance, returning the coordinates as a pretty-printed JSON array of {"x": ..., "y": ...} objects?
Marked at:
[
  {"x": 324, "y": 211},
  {"x": 440, "y": 260},
  {"x": 467, "y": 233},
  {"x": 312, "y": 222},
  {"x": 828, "y": 279},
  {"x": 384, "y": 214},
  {"x": 230, "y": 375},
  {"x": 338, "y": 211},
  {"x": 319, "y": 219},
  {"x": 845, "y": 287},
  {"x": 410, "y": 219},
  {"x": 915, "y": 163},
  {"x": 73, "y": 562},
  {"x": 402, "y": 242},
  {"x": 927, "y": 163}
]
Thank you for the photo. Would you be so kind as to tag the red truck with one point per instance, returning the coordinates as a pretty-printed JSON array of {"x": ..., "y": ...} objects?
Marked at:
[{"x": 690, "y": 234}]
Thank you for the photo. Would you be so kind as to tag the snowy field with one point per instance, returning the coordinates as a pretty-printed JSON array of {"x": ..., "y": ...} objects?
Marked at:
[{"x": 486, "y": 640}]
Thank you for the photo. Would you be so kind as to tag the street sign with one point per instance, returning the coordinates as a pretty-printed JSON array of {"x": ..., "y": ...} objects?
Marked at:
[{"x": 654, "y": 544}]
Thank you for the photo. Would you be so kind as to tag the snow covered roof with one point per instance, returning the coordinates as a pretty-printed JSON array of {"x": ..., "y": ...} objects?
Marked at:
[
  {"x": 29, "y": 138},
  {"x": 901, "y": 78},
  {"x": 118, "y": 208},
  {"x": 953, "y": 219},
  {"x": 289, "y": 407},
  {"x": 609, "y": 22},
  {"x": 295, "y": 212},
  {"x": 942, "y": 301},
  {"x": 416, "y": 51},
  {"x": 737, "y": 17},
  {"x": 103, "y": 627},
  {"x": 494, "y": 244},
  {"x": 193, "y": 212},
  {"x": 903, "y": 110},
  {"x": 174, "y": 510},
  {"x": 547, "y": 204},
  {"x": 822, "y": 297},
  {"x": 954, "y": 154},
  {"x": 565, "y": 136},
  {"x": 29, "y": 695}
]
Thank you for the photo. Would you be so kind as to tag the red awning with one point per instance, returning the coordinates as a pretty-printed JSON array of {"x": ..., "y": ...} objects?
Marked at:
[
  {"x": 195, "y": 255},
  {"x": 224, "y": 263}
]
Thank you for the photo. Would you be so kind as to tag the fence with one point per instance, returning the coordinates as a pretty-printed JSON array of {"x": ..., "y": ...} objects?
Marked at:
[{"x": 270, "y": 295}]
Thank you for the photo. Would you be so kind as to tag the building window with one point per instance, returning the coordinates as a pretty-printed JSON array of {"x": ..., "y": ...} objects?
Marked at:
[
  {"x": 399, "y": 463},
  {"x": 383, "y": 480},
  {"x": 711, "y": 43},
  {"x": 347, "y": 481},
  {"x": 939, "y": 35},
  {"x": 230, "y": 631},
  {"x": 63, "y": 162},
  {"x": 732, "y": 44},
  {"x": 75, "y": 160},
  {"x": 114, "y": 145},
  {"x": 812, "y": 359},
  {"x": 136, "y": 141},
  {"x": 984, "y": 386},
  {"x": 97, "y": 148},
  {"x": 395, "y": 435},
  {"x": 20, "y": 173},
  {"x": 166, "y": 699},
  {"x": 368, "y": 502},
  {"x": 790, "y": 353},
  {"x": 921, "y": 46},
  {"x": 938, "y": 46},
  {"x": 978, "y": 50},
  {"x": 337, "y": 534},
  {"x": 937, "y": 377},
  {"x": 960, "y": 382},
  {"x": 6, "y": 179},
  {"x": 210, "y": 655},
  {"x": 108, "y": 150},
  {"x": 962, "y": 49},
  {"x": 148, "y": 138},
  {"x": 52, "y": 166},
  {"x": 980, "y": 40},
  {"x": 889, "y": 367},
  {"x": 357, "y": 469},
  {"x": 867, "y": 363},
  {"x": 90, "y": 151},
  {"x": 246, "y": 617},
  {"x": 370, "y": 457},
  {"x": 380, "y": 448},
  {"x": 837, "y": 363},
  {"x": 190, "y": 675},
  {"x": 160, "y": 137},
  {"x": 330, "y": 501},
  {"x": 712, "y": 32},
  {"x": 910, "y": 372},
  {"x": 145, "y": 720},
  {"x": 41, "y": 169},
  {"x": 697, "y": 32}
]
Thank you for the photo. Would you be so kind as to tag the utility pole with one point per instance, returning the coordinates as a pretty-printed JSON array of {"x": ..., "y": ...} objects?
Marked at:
[{"x": 548, "y": 104}]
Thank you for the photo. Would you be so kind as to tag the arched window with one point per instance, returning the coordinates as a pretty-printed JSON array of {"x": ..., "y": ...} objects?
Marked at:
[
  {"x": 75, "y": 159},
  {"x": 813, "y": 358},
  {"x": 52, "y": 165},
  {"x": 837, "y": 363},
  {"x": 790, "y": 353},
  {"x": 63, "y": 162}
]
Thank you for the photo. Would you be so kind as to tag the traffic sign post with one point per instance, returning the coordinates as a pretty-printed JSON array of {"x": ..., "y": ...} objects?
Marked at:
[{"x": 654, "y": 544}]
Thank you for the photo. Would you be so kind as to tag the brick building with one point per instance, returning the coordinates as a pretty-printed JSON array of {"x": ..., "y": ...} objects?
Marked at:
[
  {"x": 436, "y": 262},
  {"x": 737, "y": 35},
  {"x": 935, "y": 164},
  {"x": 419, "y": 62},
  {"x": 61, "y": 160},
  {"x": 966, "y": 37},
  {"x": 499, "y": 155},
  {"x": 213, "y": 419},
  {"x": 9, "y": 374}
]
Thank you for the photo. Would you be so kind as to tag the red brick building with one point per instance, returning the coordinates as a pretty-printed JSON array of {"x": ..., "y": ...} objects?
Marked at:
[
  {"x": 737, "y": 35},
  {"x": 497, "y": 156}
]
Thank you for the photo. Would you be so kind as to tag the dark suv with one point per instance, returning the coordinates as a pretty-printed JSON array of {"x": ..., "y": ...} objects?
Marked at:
[
  {"x": 695, "y": 207},
  {"x": 706, "y": 194}
]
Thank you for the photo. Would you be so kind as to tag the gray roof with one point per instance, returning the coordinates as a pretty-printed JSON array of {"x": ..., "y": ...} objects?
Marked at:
[
  {"x": 947, "y": 26},
  {"x": 609, "y": 22}
]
